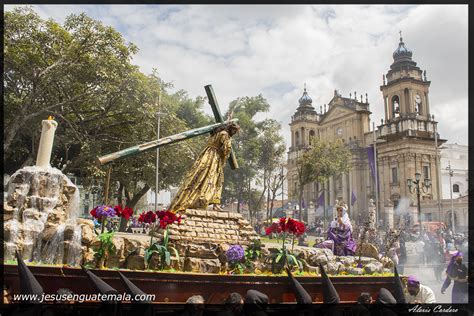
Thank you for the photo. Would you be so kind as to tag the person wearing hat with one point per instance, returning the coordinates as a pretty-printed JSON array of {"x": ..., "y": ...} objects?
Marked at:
[
  {"x": 139, "y": 307},
  {"x": 457, "y": 272},
  {"x": 418, "y": 293},
  {"x": 255, "y": 303},
  {"x": 301, "y": 295}
]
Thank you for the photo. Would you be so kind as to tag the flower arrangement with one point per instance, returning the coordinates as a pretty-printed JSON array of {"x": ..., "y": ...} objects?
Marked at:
[
  {"x": 165, "y": 218},
  {"x": 106, "y": 246},
  {"x": 147, "y": 218},
  {"x": 285, "y": 227},
  {"x": 236, "y": 258},
  {"x": 102, "y": 212},
  {"x": 123, "y": 212}
]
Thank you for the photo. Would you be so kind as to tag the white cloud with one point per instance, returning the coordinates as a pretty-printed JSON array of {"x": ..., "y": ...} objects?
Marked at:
[{"x": 246, "y": 50}]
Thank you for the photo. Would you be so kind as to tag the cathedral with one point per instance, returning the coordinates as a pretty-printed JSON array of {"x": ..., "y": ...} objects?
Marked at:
[{"x": 389, "y": 155}]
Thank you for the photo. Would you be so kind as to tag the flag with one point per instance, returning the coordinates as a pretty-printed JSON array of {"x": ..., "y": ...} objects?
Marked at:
[
  {"x": 321, "y": 199},
  {"x": 371, "y": 158},
  {"x": 353, "y": 198}
]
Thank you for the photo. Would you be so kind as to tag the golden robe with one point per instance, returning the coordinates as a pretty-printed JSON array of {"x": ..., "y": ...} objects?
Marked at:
[{"x": 203, "y": 183}]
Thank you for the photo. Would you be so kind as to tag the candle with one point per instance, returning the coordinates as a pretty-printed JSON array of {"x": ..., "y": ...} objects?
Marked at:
[{"x": 46, "y": 142}]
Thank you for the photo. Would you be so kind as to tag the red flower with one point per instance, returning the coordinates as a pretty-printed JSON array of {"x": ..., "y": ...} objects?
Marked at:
[
  {"x": 288, "y": 225},
  {"x": 127, "y": 212},
  {"x": 273, "y": 228},
  {"x": 94, "y": 212},
  {"x": 123, "y": 212},
  {"x": 283, "y": 224},
  {"x": 118, "y": 210},
  {"x": 167, "y": 218},
  {"x": 147, "y": 217}
]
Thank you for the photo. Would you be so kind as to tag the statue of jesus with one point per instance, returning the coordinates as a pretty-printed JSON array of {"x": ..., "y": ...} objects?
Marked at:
[{"x": 202, "y": 185}]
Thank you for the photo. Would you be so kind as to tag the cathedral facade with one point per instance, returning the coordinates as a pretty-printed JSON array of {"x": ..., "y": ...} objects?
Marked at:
[{"x": 401, "y": 147}]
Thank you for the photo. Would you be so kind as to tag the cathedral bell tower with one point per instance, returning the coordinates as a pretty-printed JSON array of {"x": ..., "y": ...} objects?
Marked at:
[
  {"x": 304, "y": 126},
  {"x": 406, "y": 141},
  {"x": 406, "y": 91}
]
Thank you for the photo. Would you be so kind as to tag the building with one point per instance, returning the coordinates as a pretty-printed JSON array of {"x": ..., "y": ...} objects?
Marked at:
[
  {"x": 456, "y": 156},
  {"x": 405, "y": 146}
]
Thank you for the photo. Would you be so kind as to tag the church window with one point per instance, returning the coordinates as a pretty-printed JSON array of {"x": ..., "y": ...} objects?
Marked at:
[
  {"x": 297, "y": 138},
  {"x": 456, "y": 188},
  {"x": 395, "y": 175},
  {"x": 426, "y": 172}
]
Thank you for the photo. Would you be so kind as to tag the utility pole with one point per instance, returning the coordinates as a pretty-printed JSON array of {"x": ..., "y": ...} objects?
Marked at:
[
  {"x": 377, "y": 213},
  {"x": 437, "y": 170},
  {"x": 451, "y": 173},
  {"x": 158, "y": 115}
]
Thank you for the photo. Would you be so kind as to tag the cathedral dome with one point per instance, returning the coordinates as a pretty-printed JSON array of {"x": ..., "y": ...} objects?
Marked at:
[
  {"x": 305, "y": 100},
  {"x": 402, "y": 51}
]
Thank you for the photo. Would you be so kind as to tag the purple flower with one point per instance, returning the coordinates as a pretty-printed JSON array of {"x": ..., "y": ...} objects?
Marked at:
[
  {"x": 105, "y": 211},
  {"x": 235, "y": 254},
  {"x": 359, "y": 265}
]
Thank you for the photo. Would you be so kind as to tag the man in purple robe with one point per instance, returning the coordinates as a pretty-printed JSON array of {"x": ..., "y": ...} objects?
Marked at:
[
  {"x": 457, "y": 272},
  {"x": 340, "y": 234}
]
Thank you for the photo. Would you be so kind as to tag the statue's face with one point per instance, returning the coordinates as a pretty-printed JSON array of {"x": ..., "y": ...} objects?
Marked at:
[{"x": 233, "y": 130}]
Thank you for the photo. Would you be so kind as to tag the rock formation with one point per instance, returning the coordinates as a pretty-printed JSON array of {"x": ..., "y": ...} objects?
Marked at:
[{"x": 40, "y": 217}]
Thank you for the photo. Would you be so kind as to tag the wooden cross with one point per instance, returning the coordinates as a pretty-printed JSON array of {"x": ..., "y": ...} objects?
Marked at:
[
  {"x": 137, "y": 149},
  {"x": 219, "y": 119}
]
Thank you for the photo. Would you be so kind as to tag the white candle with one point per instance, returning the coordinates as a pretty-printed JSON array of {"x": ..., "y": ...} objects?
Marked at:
[{"x": 46, "y": 142}]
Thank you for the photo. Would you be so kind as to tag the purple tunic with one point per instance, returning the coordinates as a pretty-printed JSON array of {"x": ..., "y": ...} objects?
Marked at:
[{"x": 340, "y": 241}]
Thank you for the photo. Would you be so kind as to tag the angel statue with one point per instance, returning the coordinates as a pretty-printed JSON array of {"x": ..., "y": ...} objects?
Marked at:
[
  {"x": 340, "y": 233},
  {"x": 202, "y": 185}
]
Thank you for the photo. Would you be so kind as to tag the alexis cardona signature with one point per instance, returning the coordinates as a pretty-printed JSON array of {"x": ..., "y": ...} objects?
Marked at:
[{"x": 434, "y": 309}]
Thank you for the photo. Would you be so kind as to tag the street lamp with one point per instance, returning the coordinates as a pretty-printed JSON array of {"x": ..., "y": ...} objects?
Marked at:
[
  {"x": 451, "y": 173},
  {"x": 414, "y": 186}
]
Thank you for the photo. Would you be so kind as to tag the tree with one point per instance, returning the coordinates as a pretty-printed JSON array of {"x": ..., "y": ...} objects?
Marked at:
[
  {"x": 272, "y": 149},
  {"x": 320, "y": 161},
  {"x": 81, "y": 74},
  {"x": 61, "y": 70},
  {"x": 237, "y": 182},
  {"x": 275, "y": 182}
]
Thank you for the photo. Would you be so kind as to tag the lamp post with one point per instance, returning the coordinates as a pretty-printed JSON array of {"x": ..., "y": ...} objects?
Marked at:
[
  {"x": 157, "y": 190},
  {"x": 451, "y": 173},
  {"x": 416, "y": 187}
]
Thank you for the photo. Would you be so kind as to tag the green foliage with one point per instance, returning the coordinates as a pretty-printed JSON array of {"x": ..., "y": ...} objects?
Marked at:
[
  {"x": 320, "y": 161},
  {"x": 162, "y": 250},
  {"x": 106, "y": 245},
  {"x": 81, "y": 73},
  {"x": 283, "y": 257},
  {"x": 259, "y": 147},
  {"x": 254, "y": 250}
]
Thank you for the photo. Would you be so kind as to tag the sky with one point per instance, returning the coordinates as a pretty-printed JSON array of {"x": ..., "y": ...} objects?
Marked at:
[{"x": 273, "y": 50}]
